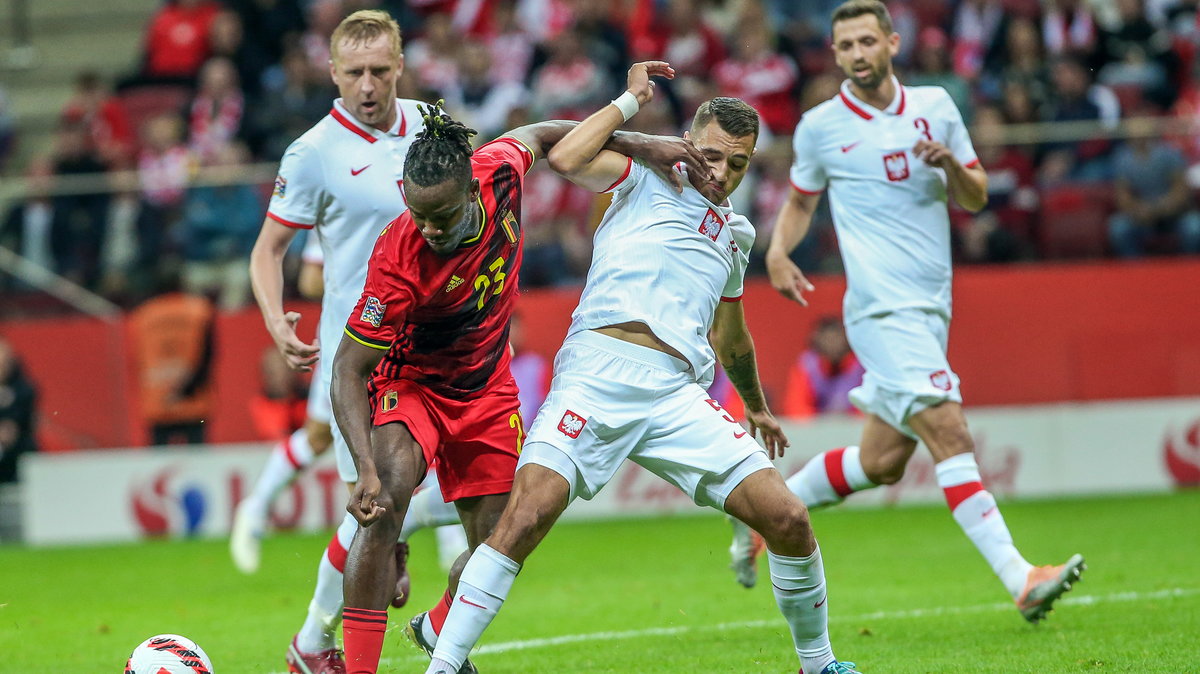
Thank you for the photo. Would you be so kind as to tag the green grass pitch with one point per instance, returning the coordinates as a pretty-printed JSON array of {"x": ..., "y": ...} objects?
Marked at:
[{"x": 908, "y": 593}]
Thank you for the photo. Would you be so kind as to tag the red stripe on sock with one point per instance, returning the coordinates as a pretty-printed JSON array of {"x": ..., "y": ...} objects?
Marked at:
[
  {"x": 287, "y": 453},
  {"x": 362, "y": 635},
  {"x": 961, "y": 492},
  {"x": 337, "y": 554},
  {"x": 437, "y": 614},
  {"x": 837, "y": 476}
]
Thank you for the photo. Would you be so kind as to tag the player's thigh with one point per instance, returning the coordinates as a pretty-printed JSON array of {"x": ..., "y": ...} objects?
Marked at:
[
  {"x": 399, "y": 462},
  {"x": 694, "y": 444},
  {"x": 943, "y": 428}
]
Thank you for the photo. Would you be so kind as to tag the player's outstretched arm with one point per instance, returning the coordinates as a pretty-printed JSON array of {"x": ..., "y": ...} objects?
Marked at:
[
  {"x": 580, "y": 157},
  {"x": 734, "y": 347},
  {"x": 352, "y": 366},
  {"x": 266, "y": 280},
  {"x": 791, "y": 225}
]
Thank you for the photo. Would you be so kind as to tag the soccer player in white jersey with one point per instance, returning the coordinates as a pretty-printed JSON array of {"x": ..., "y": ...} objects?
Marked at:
[
  {"x": 342, "y": 177},
  {"x": 890, "y": 156},
  {"x": 629, "y": 381}
]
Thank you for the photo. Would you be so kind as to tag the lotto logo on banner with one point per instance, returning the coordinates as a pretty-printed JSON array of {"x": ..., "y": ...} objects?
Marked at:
[
  {"x": 162, "y": 505},
  {"x": 1181, "y": 453},
  {"x": 373, "y": 311},
  {"x": 941, "y": 380},
  {"x": 711, "y": 225},
  {"x": 571, "y": 424},
  {"x": 896, "y": 164}
]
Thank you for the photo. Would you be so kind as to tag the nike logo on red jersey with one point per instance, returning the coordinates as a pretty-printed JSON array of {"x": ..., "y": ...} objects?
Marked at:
[
  {"x": 354, "y": 172},
  {"x": 851, "y": 146},
  {"x": 468, "y": 602}
]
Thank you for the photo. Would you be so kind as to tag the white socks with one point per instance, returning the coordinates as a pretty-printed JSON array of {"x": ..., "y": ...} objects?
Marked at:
[
  {"x": 286, "y": 460},
  {"x": 482, "y": 589},
  {"x": 799, "y": 586},
  {"x": 319, "y": 632},
  {"x": 829, "y": 477},
  {"x": 974, "y": 508}
]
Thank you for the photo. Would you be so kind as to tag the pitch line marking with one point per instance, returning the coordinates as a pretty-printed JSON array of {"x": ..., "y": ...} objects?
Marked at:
[{"x": 1079, "y": 600}]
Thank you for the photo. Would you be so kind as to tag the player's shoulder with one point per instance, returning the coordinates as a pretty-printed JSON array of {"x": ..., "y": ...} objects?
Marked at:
[
  {"x": 411, "y": 113},
  {"x": 825, "y": 112},
  {"x": 928, "y": 96},
  {"x": 315, "y": 141}
]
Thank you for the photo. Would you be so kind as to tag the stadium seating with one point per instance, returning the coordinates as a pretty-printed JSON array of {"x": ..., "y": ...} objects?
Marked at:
[{"x": 1074, "y": 220}]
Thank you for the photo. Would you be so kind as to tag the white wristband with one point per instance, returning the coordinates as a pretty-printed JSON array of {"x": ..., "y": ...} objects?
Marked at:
[{"x": 628, "y": 104}]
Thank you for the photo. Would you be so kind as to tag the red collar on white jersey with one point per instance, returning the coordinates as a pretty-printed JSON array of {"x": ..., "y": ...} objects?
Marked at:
[
  {"x": 367, "y": 133},
  {"x": 896, "y": 107}
]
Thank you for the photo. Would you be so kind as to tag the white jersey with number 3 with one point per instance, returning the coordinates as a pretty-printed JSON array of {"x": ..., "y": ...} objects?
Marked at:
[
  {"x": 889, "y": 207},
  {"x": 665, "y": 259}
]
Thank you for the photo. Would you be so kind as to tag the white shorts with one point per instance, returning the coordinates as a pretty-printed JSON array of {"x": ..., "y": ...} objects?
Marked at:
[
  {"x": 904, "y": 353},
  {"x": 320, "y": 409},
  {"x": 611, "y": 400}
]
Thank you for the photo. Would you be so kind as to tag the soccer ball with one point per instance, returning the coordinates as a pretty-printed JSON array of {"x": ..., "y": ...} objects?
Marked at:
[{"x": 168, "y": 654}]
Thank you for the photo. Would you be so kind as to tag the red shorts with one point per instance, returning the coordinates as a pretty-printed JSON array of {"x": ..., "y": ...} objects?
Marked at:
[{"x": 473, "y": 444}]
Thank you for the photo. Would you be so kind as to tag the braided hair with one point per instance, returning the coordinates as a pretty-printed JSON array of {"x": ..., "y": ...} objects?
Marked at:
[{"x": 442, "y": 150}]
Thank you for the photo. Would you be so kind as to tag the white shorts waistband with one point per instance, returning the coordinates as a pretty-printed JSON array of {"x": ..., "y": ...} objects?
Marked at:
[{"x": 629, "y": 351}]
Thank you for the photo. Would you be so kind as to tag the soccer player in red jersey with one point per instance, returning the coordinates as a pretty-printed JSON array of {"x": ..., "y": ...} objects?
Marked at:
[{"x": 421, "y": 376}]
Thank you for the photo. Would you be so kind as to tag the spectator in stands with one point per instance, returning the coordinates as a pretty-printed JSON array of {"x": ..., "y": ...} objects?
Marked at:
[
  {"x": 604, "y": 40},
  {"x": 268, "y": 22},
  {"x": 1021, "y": 61},
  {"x": 27, "y": 227},
  {"x": 932, "y": 67},
  {"x": 569, "y": 85},
  {"x": 479, "y": 101},
  {"x": 281, "y": 406},
  {"x": 172, "y": 340},
  {"x": 683, "y": 39},
  {"x": 227, "y": 39},
  {"x": 977, "y": 26},
  {"x": 295, "y": 97},
  {"x": 510, "y": 44},
  {"x": 1075, "y": 100},
  {"x": 110, "y": 135},
  {"x": 177, "y": 39},
  {"x": 759, "y": 76},
  {"x": 216, "y": 115},
  {"x": 220, "y": 224},
  {"x": 1137, "y": 55},
  {"x": 821, "y": 379},
  {"x": 433, "y": 57},
  {"x": 1153, "y": 199},
  {"x": 80, "y": 219},
  {"x": 1069, "y": 27},
  {"x": 18, "y": 413},
  {"x": 164, "y": 169},
  {"x": 1002, "y": 232}
]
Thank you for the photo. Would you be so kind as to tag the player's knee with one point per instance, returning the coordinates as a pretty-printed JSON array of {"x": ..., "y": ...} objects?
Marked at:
[
  {"x": 951, "y": 440},
  {"x": 790, "y": 529},
  {"x": 320, "y": 436},
  {"x": 887, "y": 468}
]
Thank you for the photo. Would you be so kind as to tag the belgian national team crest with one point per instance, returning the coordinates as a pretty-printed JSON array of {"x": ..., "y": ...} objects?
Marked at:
[
  {"x": 571, "y": 424},
  {"x": 711, "y": 225},
  {"x": 389, "y": 401},
  {"x": 373, "y": 311}
]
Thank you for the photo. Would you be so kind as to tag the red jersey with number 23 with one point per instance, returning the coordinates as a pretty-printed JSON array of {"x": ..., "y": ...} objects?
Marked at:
[{"x": 443, "y": 319}]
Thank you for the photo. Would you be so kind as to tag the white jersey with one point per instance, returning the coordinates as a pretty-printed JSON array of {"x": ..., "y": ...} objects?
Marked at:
[
  {"x": 665, "y": 260},
  {"x": 344, "y": 178},
  {"x": 889, "y": 207}
]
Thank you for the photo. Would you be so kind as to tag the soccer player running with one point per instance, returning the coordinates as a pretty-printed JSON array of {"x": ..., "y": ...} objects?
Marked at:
[
  {"x": 890, "y": 154},
  {"x": 421, "y": 377},
  {"x": 630, "y": 379},
  {"x": 342, "y": 177}
]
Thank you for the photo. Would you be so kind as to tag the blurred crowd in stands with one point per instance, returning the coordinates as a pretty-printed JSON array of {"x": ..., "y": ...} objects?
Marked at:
[{"x": 223, "y": 84}]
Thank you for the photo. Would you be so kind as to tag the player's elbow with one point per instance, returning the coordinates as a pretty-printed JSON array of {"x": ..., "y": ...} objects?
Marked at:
[
  {"x": 563, "y": 161},
  {"x": 976, "y": 204}
]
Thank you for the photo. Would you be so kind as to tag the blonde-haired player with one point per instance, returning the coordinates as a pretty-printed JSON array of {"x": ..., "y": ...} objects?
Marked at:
[
  {"x": 342, "y": 178},
  {"x": 890, "y": 155}
]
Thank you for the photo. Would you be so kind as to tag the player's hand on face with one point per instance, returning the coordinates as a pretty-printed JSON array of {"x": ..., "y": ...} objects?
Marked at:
[
  {"x": 787, "y": 278},
  {"x": 764, "y": 426},
  {"x": 662, "y": 153},
  {"x": 933, "y": 153},
  {"x": 638, "y": 81},
  {"x": 362, "y": 502},
  {"x": 299, "y": 356}
]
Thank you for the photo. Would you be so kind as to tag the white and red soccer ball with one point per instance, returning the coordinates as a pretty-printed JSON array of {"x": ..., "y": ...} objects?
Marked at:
[{"x": 168, "y": 654}]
